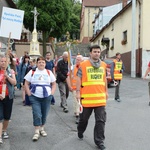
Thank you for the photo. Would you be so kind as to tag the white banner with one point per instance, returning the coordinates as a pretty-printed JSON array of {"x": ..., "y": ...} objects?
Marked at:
[{"x": 11, "y": 22}]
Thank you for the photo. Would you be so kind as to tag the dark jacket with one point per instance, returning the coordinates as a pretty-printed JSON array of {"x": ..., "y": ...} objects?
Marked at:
[{"x": 62, "y": 71}]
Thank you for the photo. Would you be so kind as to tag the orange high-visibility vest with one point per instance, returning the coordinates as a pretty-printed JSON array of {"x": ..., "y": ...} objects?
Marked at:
[
  {"x": 117, "y": 68},
  {"x": 74, "y": 78},
  {"x": 93, "y": 85}
]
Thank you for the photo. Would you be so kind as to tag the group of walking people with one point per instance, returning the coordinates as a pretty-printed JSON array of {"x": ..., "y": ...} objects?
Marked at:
[
  {"x": 88, "y": 83},
  {"x": 38, "y": 84},
  {"x": 87, "y": 80}
]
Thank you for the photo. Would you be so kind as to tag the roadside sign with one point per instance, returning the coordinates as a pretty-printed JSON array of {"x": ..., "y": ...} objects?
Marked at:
[{"x": 11, "y": 22}]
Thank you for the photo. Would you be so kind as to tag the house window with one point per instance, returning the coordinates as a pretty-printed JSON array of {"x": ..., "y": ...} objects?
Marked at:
[
  {"x": 124, "y": 40},
  {"x": 112, "y": 44},
  {"x": 94, "y": 32}
]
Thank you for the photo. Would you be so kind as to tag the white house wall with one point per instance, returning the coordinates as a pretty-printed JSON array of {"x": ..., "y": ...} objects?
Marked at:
[
  {"x": 121, "y": 24},
  {"x": 88, "y": 26},
  {"x": 146, "y": 34}
]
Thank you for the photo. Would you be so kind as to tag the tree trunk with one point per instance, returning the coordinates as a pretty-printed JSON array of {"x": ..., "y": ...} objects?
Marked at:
[{"x": 44, "y": 43}]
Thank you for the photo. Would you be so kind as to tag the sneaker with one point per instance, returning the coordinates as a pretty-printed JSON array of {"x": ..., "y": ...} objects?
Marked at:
[
  {"x": 36, "y": 137},
  {"x": 1, "y": 141},
  {"x": 118, "y": 99},
  {"x": 43, "y": 133},
  {"x": 80, "y": 135},
  {"x": 5, "y": 135},
  {"x": 65, "y": 110},
  {"x": 101, "y": 147}
]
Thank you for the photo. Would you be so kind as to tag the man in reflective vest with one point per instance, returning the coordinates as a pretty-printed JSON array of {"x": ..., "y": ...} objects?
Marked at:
[
  {"x": 117, "y": 69},
  {"x": 91, "y": 90}
]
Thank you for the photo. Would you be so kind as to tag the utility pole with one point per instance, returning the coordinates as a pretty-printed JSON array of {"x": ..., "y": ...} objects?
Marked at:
[
  {"x": 133, "y": 51},
  {"x": 88, "y": 24}
]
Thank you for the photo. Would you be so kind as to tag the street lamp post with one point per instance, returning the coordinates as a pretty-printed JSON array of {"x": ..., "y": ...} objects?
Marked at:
[{"x": 88, "y": 24}]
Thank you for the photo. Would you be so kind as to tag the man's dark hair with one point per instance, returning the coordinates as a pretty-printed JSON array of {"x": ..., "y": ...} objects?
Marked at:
[
  {"x": 48, "y": 53},
  {"x": 117, "y": 53},
  {"x": 94, "y": 47}
]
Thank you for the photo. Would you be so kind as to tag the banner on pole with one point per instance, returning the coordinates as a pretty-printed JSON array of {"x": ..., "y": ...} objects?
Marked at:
[{"x": 11, "y": 22}]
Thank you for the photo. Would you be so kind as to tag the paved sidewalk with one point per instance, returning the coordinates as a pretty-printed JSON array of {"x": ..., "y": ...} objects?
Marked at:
[{"x": 127, "y": 126}]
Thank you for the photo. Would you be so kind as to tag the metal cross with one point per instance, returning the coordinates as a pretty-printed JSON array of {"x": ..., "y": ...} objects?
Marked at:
[{"x": 35, "y": 16}]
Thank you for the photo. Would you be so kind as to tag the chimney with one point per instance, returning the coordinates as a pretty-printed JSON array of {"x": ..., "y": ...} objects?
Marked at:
[{"x": 124, "y": 3}]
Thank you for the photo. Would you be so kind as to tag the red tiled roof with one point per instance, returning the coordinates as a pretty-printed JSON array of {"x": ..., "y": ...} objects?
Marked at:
[
  {"x": 98, "y": 3},
  {"x": 11, "y": 3}
]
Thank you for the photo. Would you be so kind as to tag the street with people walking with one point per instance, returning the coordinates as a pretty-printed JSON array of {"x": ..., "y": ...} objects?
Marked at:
[
  {"x": 55, "y": 95},
  {"x": 127, "y": 125}
]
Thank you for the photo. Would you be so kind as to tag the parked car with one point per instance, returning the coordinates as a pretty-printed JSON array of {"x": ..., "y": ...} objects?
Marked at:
[{"x": 109, "y": 61}]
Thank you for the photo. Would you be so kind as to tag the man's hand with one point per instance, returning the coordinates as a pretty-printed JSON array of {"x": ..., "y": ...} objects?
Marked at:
[
  {"x": 1, "y": 98},
  {"x": 115, "y": 83},
  {"x": 70, "y": 88},
  {"x": 121, "y": 71}
]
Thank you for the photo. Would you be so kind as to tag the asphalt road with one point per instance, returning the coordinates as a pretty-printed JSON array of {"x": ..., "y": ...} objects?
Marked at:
[{"x": 127, "y": 126}]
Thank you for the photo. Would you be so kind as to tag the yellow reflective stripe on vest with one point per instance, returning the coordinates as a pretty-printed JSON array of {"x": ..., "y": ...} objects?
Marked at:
[
  {"x": 118, "y": 75},
  {"x": 93, "y": 101},
  {"x": 93, "y": 83},
  {"x": 93, "y": 95}
]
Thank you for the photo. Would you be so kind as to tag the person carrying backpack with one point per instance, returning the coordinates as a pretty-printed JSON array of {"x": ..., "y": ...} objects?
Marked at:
[{"x": 40, "y": 85}]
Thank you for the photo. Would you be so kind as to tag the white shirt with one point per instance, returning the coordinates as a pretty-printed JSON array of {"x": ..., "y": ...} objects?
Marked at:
[{"x": 40, "y": 77}]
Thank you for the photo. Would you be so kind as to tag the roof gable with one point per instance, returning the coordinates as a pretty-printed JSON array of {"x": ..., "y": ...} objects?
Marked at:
[
  {"x": 98, "y": 3},
  {"x": 117, "y": 15}
]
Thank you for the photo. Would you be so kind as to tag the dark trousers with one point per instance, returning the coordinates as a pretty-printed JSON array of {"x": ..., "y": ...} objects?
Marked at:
[
  {"x": 53, "y": 100},
  {"x": 117, "y": 96},
  {"x": 100, "y": 119},
  {"x": 149, "y": 88},
  {"x": 27, "y": 102},
  {"x": 5, "y": 108}
]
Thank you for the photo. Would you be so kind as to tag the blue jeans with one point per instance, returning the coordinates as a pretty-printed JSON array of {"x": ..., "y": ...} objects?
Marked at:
[
  {"x": 6, "y": 108},
  {"x": 40, "y": 109}
]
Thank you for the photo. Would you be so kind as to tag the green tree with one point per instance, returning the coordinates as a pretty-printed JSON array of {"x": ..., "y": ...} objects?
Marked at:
[
  {"x": 74, "y": 29},
  {"x": 53, "y": 18},
  {"x": 15, "y": 1}
]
